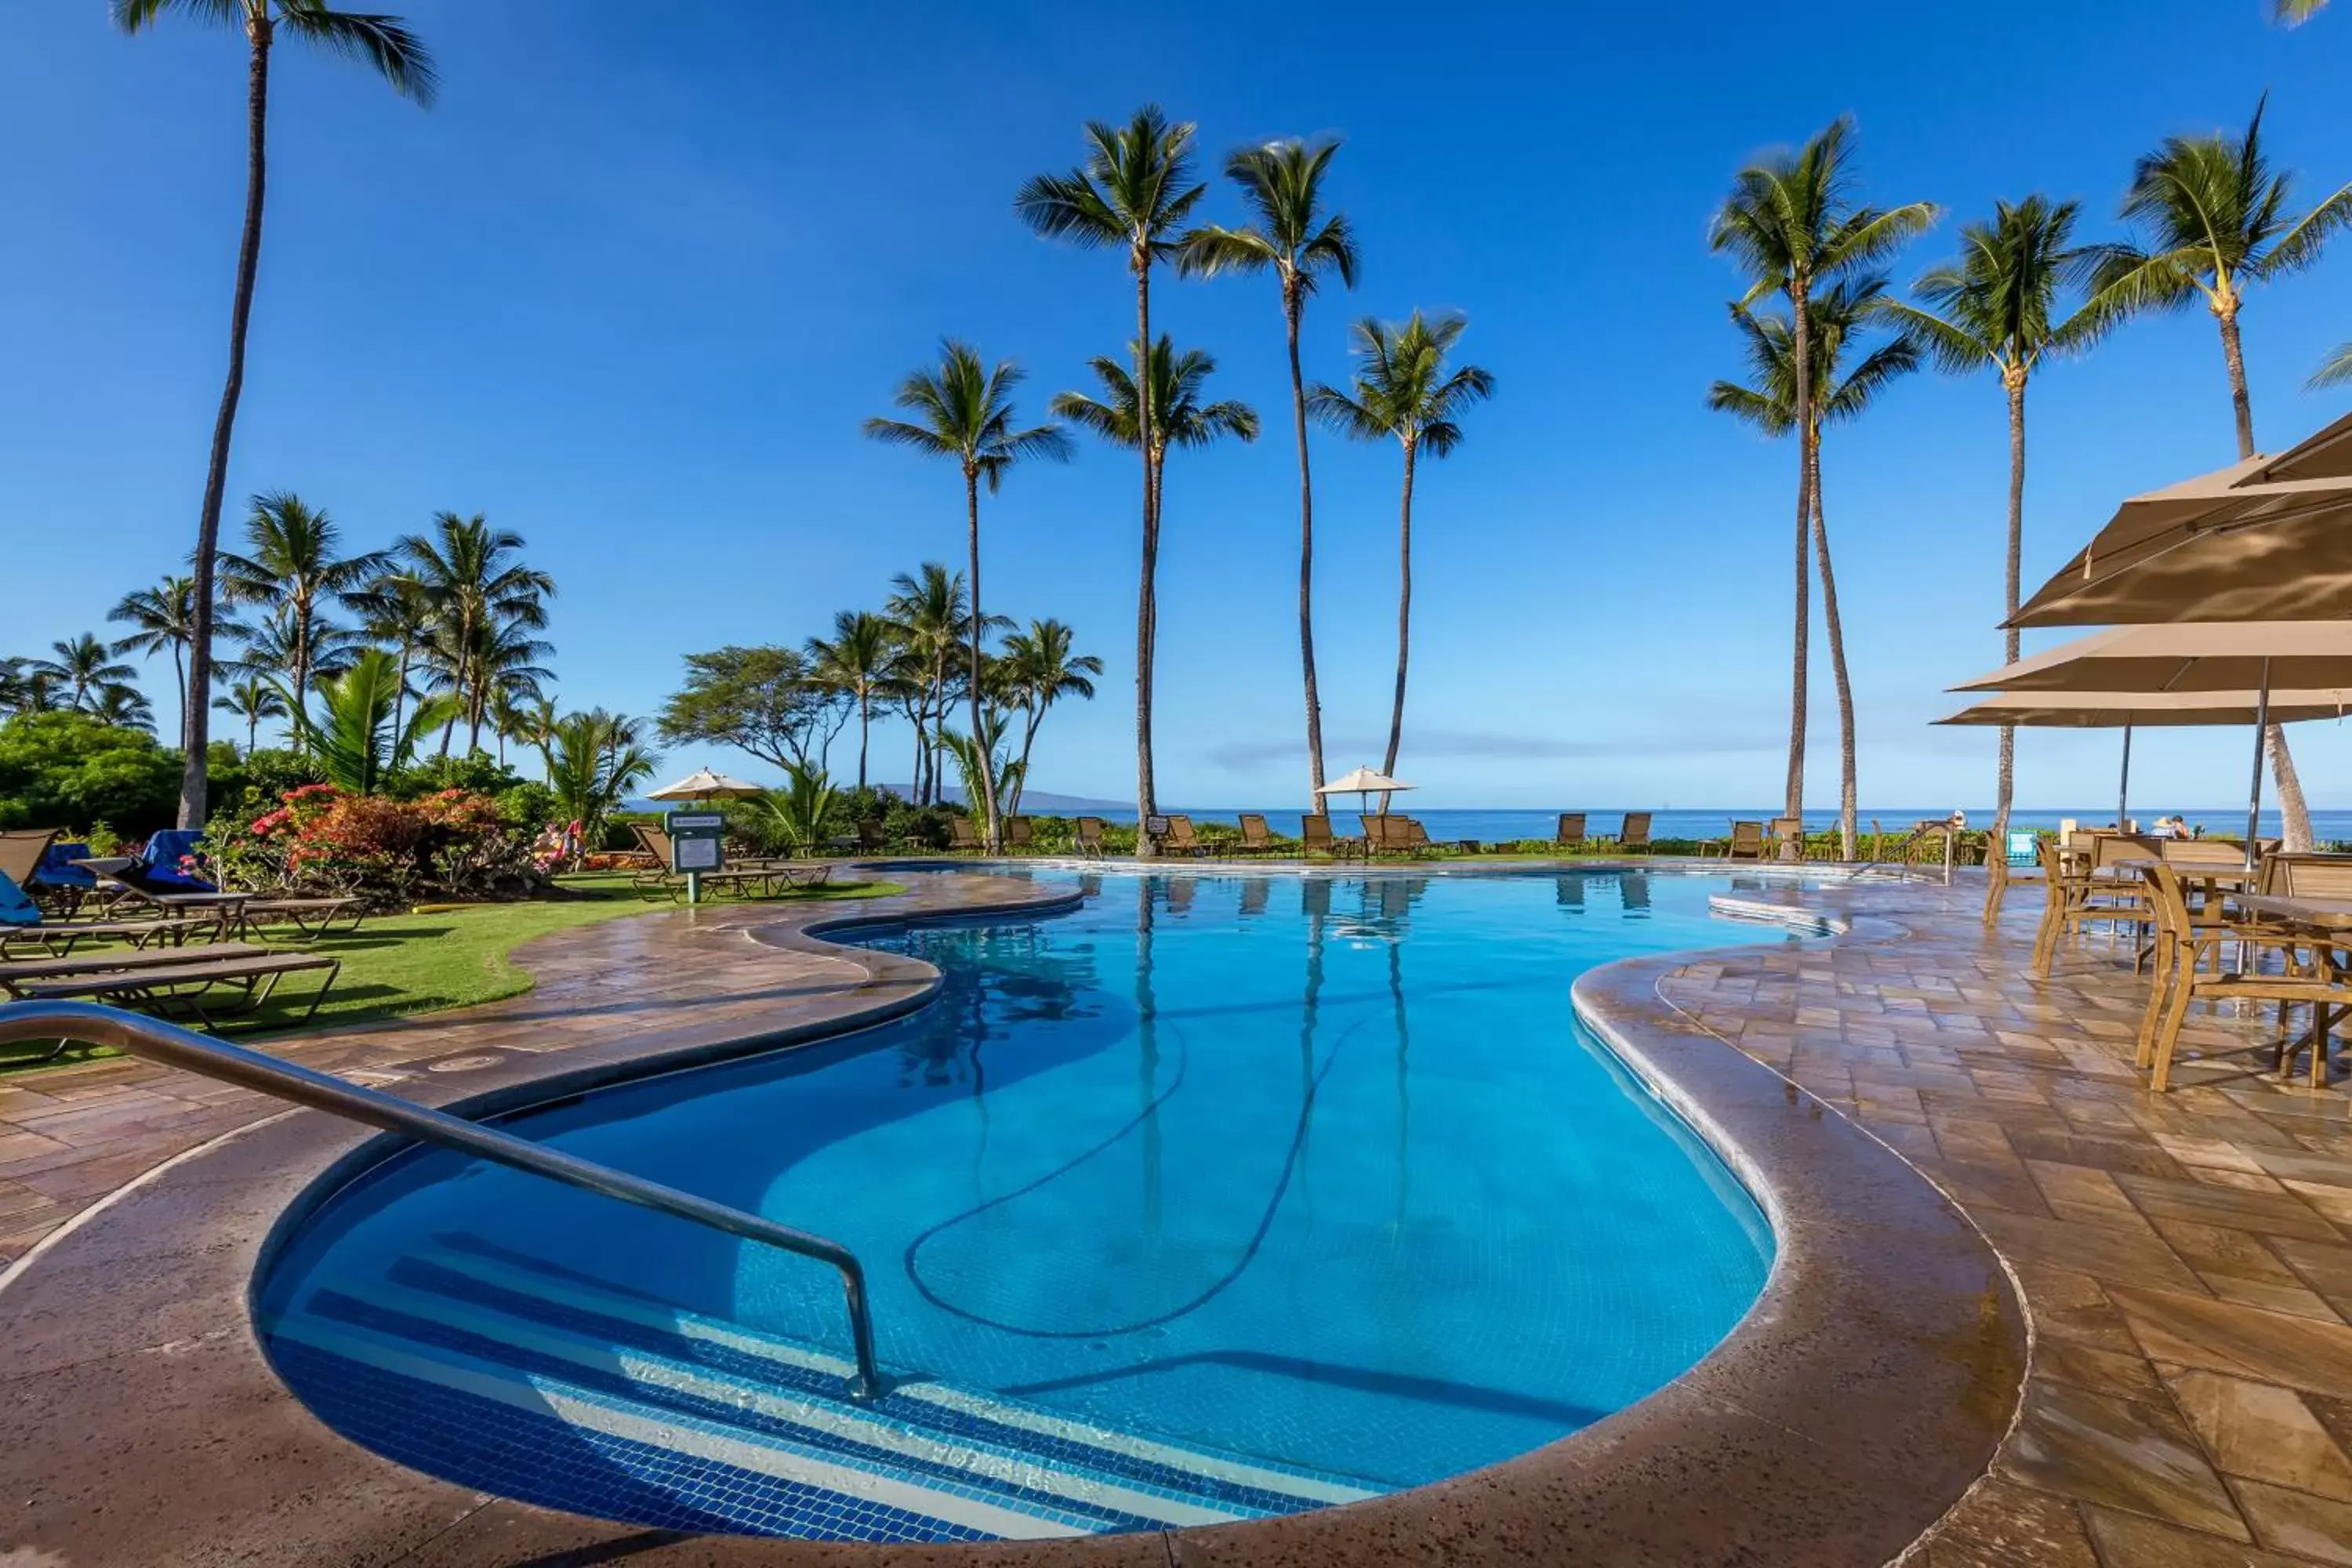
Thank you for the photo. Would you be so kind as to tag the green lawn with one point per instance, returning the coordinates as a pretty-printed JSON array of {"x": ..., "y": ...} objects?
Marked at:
[{"x": 398, "y": 964}]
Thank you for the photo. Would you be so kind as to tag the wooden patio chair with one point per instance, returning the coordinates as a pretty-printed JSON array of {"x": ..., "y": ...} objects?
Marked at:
[
  {"x": 1780, "y": 832},
  {"x": 1570, "y": 834},
  {"x": 1180, "y": 838},
  {"x": 1314, "y": 834},
  {"x": 2184, "y": 945},
  {"x": 1020, "y": 833},
  {"x": 1256, "y": 837},
  {"x": 1633, "y": 835},
  {"x": 1746, "y": 842},
  {"x": 963, "y": 835},
  {"x": 1090, "y": 831}
]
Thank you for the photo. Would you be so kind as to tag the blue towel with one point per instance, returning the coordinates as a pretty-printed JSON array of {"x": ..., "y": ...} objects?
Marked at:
[
  {"x": 161, "y": 861},
  {"x": 58, "y": 869},
  {"x": 15, "y": 909}
]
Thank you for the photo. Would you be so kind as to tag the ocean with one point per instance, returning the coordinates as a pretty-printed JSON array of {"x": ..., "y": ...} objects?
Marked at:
[{"x": 1493, "y": 825}]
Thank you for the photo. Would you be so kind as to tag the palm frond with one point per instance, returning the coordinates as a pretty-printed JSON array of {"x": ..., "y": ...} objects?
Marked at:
[
  {"x": 384, "y": 43},
  {"x": 2299, "y": 247},
  {"x": 2336, "y": 370},
  {"x": 132, "y": 15}
]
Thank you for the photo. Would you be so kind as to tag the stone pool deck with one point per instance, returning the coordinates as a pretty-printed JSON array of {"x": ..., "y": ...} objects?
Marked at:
[{"x": 2187, "y": 1263}]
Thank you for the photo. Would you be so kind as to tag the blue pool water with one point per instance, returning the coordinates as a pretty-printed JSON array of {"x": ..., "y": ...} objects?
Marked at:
[{"x": 1225, "y": 1193}]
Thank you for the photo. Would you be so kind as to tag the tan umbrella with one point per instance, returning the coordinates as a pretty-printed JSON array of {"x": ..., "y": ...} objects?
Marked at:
[
  {"x": 2269, "y": 538},
  {"x": 704, "y": 784},
  {"x": 2199, "y": 655},
  {"x": 1364, "y": 782}
]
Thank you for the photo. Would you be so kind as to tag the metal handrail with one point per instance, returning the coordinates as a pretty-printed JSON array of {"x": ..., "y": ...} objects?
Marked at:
[{"x": 169, "y": 1044}]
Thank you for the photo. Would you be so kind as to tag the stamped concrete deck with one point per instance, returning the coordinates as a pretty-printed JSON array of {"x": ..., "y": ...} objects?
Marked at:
[{"x": 2186, "y": 1261}]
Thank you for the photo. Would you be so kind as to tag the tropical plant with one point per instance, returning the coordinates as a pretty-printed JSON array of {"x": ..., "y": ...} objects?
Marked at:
[
  {"x": 355, "y": 743},
  {"x": 1403, "y": 388},
  {"x": 2214, "y": 216},
  {"x": 395, "y": 611},
  {"x": 22, "y": 689},
  {"x": 124, "y": 706},
  {"x": 1134, "y": 191},
  {"x": 932, "y": 613},
  {"x": 163, "y": 619},
  {"x": 486, "y": 605},
  {"x": 992, "y": 760},
  {"x": 1792, "y": 224},
  {"x": 254, "y": 699},
  {"x": 806, "y": 811},
  {"x": 1291, "y": 236},
  {"x": 1997, "y": 309},
  {"x": 1842, "y": 392},
  {"x": 84, "y": 668},
  {"x": 1038, "y": 670},
  {"x": 292, "y": 569},
  {"x": 963, "y": 412},
  {"x": 268, "y": 648},
  {"x": 385, "y": 45},
  {"x": 858, "y": 659},
  {"x": 2334, "y": 371},
  {"x": 594, "y": 760}
]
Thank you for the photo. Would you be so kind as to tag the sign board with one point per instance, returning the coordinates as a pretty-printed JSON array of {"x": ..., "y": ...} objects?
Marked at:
[
  {"x": 2023, "y": 846},
  {"x": 697, "y": 840},
  {"x": 1156, "y": 827}
]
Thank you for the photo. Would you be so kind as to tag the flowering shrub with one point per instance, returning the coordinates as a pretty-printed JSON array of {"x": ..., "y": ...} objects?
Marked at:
[{"x": 324, "y": 839}]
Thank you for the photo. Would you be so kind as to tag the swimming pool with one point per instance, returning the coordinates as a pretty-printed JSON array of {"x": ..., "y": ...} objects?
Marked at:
[{"x": 1226, "y": 1196}]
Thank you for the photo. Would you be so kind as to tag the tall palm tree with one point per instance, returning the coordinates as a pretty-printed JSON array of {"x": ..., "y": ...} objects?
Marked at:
[
  {"x": 2214, "y": 216},
  {"x": 1997, "y": 309},
  {"x": 963, "y": 412},
  {"x": 124, "y": 707},
  {"x": 163, "y": 619},
  {"x": 22, "y": 690},
  {"x": 395, "y": 610},
  {"x": 1291, "y": 236},
  {"x": 254, "y": 699},
  {"x": 293, "y": 571},
  {"x": 1040, "y": 670},
  {"x": 931, "y": 610},
  {"x": 1403, "y": 388},
  {"x": 383, "y": 43},
  {"x": 85, "y": 668},
  {"x": 486, "y": 602},
  {"x": 857, "y": 658},
  {"x": 1842, "y": 392},
  {"x": 268, "y": 647},
  {"x": 1135, "y": 190},
  {"x": 1792, "y": 225}
]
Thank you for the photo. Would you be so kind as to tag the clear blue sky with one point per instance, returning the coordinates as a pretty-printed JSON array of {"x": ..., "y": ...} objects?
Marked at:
[{"x": 631, "y": 287}]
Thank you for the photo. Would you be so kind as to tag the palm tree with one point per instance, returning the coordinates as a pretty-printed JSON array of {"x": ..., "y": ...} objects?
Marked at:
[
  {"x": 1996, "y": 309},
  {"x": 1792, "y": 224},
  {"x": 21, "y": 692},
  {"x": 294, "y": 572},
  {"x": 1040, "y": 670},
  {"x": 2215, "y": 217},
  {"x": 396, "y": 54},
  {"x": 593, "y": 761},
  {"x": 163, "y": 619},
  {"x": 857, "y": 658},
  {"x": 2335, "y": 371},
  {"x": 964, "y": 411},
  {"x": 395, "y": 609},
  {"x": 1135, "y": 190},
  {"x": 355, "y": 743},
  {"x": 485, "y": 603},
  {"x": 269, "y": 647},
  {"x": 1403, "y": 388},
  {"x": 254, "y": 699},
  {"x": 1282, "y": 185},
  {"x": 86, "y": 668},
  {"x": 125, "y": 707},
  {"x": 1841, "y": 313}
]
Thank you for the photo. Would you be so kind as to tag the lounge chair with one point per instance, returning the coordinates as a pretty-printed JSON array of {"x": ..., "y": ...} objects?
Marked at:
[
  {"x": 1180, "y": 838},
  {"x": 1409, "y": 837},
  {"x": 242, "y": 912},
  {"x": 1315, "y": 832},
  {"x": 2186, "y": 949},
  {"x": 1570, "y": 832},
  {"x": 1781, "y": 831},
  {"x": 25, "y": 928},
  {"x": 178, "y": 983},
  {"x": 1020, "y": 833},
  {"x": 60, "y": 881},
  {"x": 766, "y": 877},
  {"x": 1090, "y": 832},
  {"x": 870, "y": 839},
  {"x": 21, "y": 850},
  {"x": 1634, "y": 834},
  {"x": 963, "y": 835},
  {"x": 1256, "y": 837},
  {"x": 1746, "y": 842}
]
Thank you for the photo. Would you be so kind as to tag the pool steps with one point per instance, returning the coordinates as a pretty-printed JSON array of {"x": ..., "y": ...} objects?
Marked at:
[{"x": 680, "y": 1420}]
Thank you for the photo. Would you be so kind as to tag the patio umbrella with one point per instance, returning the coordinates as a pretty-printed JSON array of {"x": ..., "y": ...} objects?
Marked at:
[
  {"x": 2189, "y": 657},
  {"x": 2127, "y": 711},
  {"x": 704, "y": 784},
  {"x": 2268, "y": 539},
  {"x": 1364, "y": 782}
]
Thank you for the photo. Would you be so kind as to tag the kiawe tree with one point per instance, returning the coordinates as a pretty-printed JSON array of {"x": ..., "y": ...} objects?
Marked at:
[
  {"x": 1134, "y": 193},
  {"x": 1403, "y": 388},
  {"x": 963, "y": 412},
  {"x": 1291, "y": 235},
  {"x": 386, "y": 46},
  {"x": 2214, "y": 218}
]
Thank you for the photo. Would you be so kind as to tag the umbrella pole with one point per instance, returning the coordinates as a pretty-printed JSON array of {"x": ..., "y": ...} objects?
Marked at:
[
  {"x": 2122, "y": 786},
  {"x": 2254, "y": 795}
]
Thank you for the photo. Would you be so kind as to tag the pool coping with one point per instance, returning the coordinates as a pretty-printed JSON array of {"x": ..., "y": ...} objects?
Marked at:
[{"x": 1864, "y": 1393}]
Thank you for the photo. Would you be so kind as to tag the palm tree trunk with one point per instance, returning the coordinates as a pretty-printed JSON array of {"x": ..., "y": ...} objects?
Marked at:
[
  {"x": 2295, "y": 815},
  {"x": 1801, "y": 353},
  {"x": 1028, "y": 739},
  {"x": 865, "y": 721},
  {"x": 1291, "y": 305},
  {"x": 2005, "y": 788},
  {"x": 1404, "y": 615},
  {"x": 180, "y": 684},
  {"x": 196, "y": 727},
  {"x": 1847, "y": 805},
  {"x": 252, "y": 731},
  {"x": 1146, "y": 797},
  {"x": 400, "y": 692},
  {"x": 980, "y": 747}
]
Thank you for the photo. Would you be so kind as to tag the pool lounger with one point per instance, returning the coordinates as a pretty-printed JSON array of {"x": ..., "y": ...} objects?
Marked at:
[{"x": 177, "y": 984}]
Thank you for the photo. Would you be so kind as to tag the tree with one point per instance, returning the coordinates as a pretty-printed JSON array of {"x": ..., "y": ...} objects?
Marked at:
[
  {"x": 1135, "y": 190},
  {"x": 395, "y": 53},
  {"x": 762, "y": 700},
  {"x": 2335, "y": 371},
  {"x": 1792, "y": 226},
  {"x": 1291, "y": 236},
  {"x": 1403, "y": 388},
  {"x": 805, "y": 810},
  {"x": 254, "y": 699},
  {"x": 963, "y": 412},
  {"x": 486, "y": 604},
  {"x": 1841, "y": 313},
  {"x": 858, "y": 658},
  {"x": 72, "y": 770},
  {"x": 163, "y": 619},
  {"x": 594, "y": 760},
  {"x": 395, "y": 609},
  {"x": 355, "y": 743},
  {"x": 85, "y": 668},
  {"x": 932, "y": 613},
  {"x": 125, "y": 707},
  {"x": 1039, "y": 670},
  {"x": 1996, "y": 309},
  {"x": 2214, "y": 218},
  {"x": 293, "y": 571}
]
